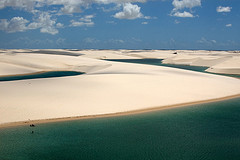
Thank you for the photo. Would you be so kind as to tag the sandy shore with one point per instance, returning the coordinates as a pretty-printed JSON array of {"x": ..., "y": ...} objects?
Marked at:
[
  {"x": 107, "y": 88},
  {"x": 36, "y": 122}
]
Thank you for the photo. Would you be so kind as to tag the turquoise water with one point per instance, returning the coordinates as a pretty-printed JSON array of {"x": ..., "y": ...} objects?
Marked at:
[
  {"x": 200, "y": 132},
  {"x": 50, "y": 74},
  {"x": 158, "y": 62}
]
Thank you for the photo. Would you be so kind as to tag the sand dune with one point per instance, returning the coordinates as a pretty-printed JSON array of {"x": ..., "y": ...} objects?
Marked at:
[
  {"x": 217, "y": 61},
  {"x": 105, "y": 54},
  {"x": 30, "y": 63},
  {"x": 12, "y": 69},
  {"x": 229, "y": 66},
  {"x": 107, "y": 87}
]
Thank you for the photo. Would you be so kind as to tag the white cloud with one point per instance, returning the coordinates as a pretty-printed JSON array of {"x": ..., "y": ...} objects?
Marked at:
[
  {"x": 84, "y": 21},
  {"x": 144, "y": 22},
  {"x": 119, "y": 1},
  {"x": 223, "y": 9},
  {"x": 149, "y": 17},
  {"x": 181, "y": 4},
  {"x": 16, "y": 24},
  {"x": 130, "y": 11},
  {"x": 59, "y": 25},
  {"x": 22, "y": 4},
  {"x": 19, "y": 24},
  {"x": 115, "y": 8},
  {"x": 68, "y": 6},
  {"x": 45, "y": 23},
  {"x": 228, "y": 25},
  {"x": 69, "y": 9},
  {"x": 183, "y": 14}
]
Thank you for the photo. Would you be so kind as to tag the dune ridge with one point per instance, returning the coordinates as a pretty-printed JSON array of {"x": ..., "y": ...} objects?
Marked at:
[{"x": 106, "y": 88}]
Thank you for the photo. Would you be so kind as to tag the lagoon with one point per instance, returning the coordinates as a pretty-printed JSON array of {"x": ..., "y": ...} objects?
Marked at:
[
  {"x": 49, "y": 74},
  {"x": 207, "y": 131},
  {"x": 158, "y": 62},
  {"x": 204, "y": 131}
]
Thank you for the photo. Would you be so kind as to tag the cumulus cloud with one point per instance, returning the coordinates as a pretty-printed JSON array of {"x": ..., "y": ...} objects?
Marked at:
[
  {"x": 19, "y": 24},
  {"x": 68, "y": 6},
  {"x": 223, "y": 9},
  {"x": 181, "y": 4},
  {"x": 119, "y": 1},
  {"x": 45, "y": 23},
  {"x": 183, "y": 14},
  {"x": 130, "y": 11},
  {"x": 144, "y": 22},
  {"x": 16, "y": 24},
  {"x": 59, "y": 25},
  {"x": 69, "y": 9},
  {"x": 28, "y": 5},
  {"x": 184, "y": 4},
  {"x": 84, "y": 21}
]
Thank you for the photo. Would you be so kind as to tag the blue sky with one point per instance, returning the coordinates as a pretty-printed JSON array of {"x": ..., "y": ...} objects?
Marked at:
[{"x": 120, "y": 24}]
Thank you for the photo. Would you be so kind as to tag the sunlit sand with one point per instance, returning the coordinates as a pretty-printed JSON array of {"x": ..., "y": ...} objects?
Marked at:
[{"x": 109, "y": 87}]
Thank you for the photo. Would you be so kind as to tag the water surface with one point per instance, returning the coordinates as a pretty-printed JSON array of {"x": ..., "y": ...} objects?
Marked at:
[
  {"x": 158, "y": 62},
  {"x": 200, "y": 132},
  {"x": 49, "y": 74}
]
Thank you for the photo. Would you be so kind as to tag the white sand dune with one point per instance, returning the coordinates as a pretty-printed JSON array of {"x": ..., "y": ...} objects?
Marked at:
[
  {"x": 105, "y": 54},
  {"x": 30, "y": 63},
  {"x": 229, "y": 66},
  {"x": 107, "y": 87},
  {"x": 12, "y": 69},
  {"x": 209, "y": 61},
  {"x": 155, "y": 54},
  {"x": 195, "y": 60},
  {"x": 217, "y": 61}
]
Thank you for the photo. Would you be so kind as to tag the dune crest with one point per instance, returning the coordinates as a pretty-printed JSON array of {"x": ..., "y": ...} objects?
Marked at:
[{"x": 106, "y": 88}]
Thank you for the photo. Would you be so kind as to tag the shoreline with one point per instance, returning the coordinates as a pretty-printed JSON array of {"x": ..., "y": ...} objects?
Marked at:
[
  {"x": 125, "y": 113},
  {"x": 36, "y": 73}
]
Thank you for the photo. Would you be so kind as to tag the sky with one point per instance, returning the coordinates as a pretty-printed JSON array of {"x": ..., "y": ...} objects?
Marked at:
[{"x": 120, "y": 24}]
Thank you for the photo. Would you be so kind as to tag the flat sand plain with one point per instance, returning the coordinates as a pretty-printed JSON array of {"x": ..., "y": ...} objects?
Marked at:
[{"x": 108, "y": 88}]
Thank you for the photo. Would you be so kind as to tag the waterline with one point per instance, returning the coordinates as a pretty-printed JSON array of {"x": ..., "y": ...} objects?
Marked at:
[{"x": 48, "y": 74}]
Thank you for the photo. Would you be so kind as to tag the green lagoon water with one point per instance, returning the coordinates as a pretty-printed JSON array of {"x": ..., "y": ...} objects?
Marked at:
[
  {"x": 50, "y": 74},
  {"x": 158, "y": 62},
  {"x": 200, "y": 132}
]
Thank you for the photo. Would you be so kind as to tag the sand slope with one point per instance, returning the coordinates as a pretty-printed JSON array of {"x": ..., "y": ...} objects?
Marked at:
[
  {"x": 29, "y": 63},
  {"x": 229, "y": 66},
  {"x": 217, "y": 61},
  {"x": 107, "y": 87}
]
